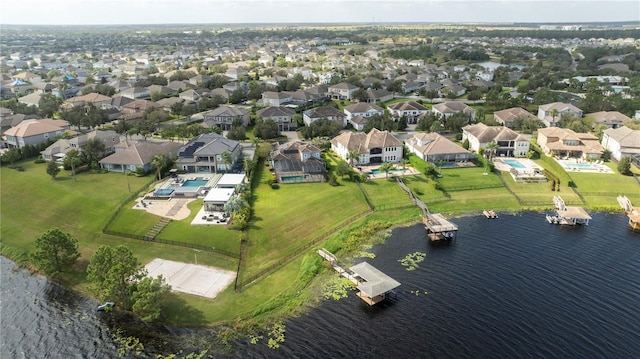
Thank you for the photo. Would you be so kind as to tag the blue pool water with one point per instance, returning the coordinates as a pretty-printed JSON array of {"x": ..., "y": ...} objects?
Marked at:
[
  {"x": 514, "y": 163},
  {"x": 376, "y": 171},
  {"x": 293, "y": 178},
  {"x": 195, "y": 183},
  {"x": 163, "y": 192},
  {"x": 579, "y": 165}
]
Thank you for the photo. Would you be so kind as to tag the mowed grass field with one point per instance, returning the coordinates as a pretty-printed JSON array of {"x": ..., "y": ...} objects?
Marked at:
[{"x": 287, "y": 218}]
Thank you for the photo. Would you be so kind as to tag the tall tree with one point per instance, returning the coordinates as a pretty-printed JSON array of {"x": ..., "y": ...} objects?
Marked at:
[
  {"x": 112, "y": 271},
  {"x": 72, "y": 158},
  {"x": 491, "y": 148},
  {"x": 227, "y": 159},
  {"x": 386, "y": 168},
  {"x": 93, "y": 150},
  {"x": 55, "y": 249},
  {"x": 147, "y": 296},
  {"x": 353, "y": 157},
  {"x": 159, "y": 161}
]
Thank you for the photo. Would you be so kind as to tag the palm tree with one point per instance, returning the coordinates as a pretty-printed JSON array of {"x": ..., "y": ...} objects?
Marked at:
[
  {"x": 554, "y": 114},
  {"x": 159, "y": 161},
  {"x": 73, "y": 158},
  {"x": 404, "y": 162},
  {"x": 386, "y": 168},
  {"x": 228, "y": 160},
  {"x": 492, "y": 147},
  {"x": 353, "y": 156}
]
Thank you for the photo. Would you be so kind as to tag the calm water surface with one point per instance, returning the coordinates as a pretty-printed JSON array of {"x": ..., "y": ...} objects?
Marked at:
[{"x": 515, "y": 287}]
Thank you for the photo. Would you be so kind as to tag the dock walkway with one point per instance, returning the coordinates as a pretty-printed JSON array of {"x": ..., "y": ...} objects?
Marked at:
[{"x": 336, "y": 266}]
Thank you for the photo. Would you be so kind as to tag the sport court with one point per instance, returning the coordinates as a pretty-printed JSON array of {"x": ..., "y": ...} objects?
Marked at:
[{"x": 191, "y": 278}]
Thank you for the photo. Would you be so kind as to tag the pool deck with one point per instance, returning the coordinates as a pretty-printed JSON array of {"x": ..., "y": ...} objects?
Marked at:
[
  {"x": 593, "y": 167},
  {"x": 397, "y": 172}
]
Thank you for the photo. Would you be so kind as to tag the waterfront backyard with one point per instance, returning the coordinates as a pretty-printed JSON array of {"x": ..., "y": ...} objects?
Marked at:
[{"x": 286, "y": 221}]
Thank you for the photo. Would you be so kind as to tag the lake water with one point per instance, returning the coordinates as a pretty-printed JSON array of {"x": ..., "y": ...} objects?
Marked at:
[
  {"x": 491, "y": 65},
  {"x": 513, "y": 287}
]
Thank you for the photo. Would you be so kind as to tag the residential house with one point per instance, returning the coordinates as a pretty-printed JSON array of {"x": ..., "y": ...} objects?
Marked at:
[
  {"x": 272, "y": 98},
  {"x": 380, "y": 95},
  {"x": 224, "y": 116},
  {"x": 410, "y": 110},
  {"x": 135, "y": 93},
  {"x": 98, "y": 100},
  {"x": 506, "y": 117},
  {"x": 131, "y": 155},
  {"x": 375, "y": 147},
  {"x": 363, "y": 110},
  {"x": 34, "y": 132},
  {"x": 135, "y": 109},
  {"x": 448, "y": 108},
  {"x": 32, "y": 99},
  {"x": 433, "y": 147},
  {"x": 342, "y": 91},
  {"x": 622, "y": 142},
  {"x": 611, "y": 119},
  {"x": 510, "y": 143},
  {"x": 298, "y": 161},
  {"x": 283, "y": 116},
  {"x": 203, "y": 154},
  {"x": 236, "y": 72},
  {"x": 58, "y": 150},
  {"x": 328, "y": 112},
  {"x": 564, "y": 142},
  {"x": 551, "y": 113}
]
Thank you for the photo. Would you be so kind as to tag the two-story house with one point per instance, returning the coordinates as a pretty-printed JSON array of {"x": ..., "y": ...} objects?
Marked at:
[
  {"x": 34, "y": 132},
  {"x": 330, "y": 113},
  {"x": 411, "y": 111},
  {"x": 449, "y": 108},
  {"x": 433, "y": 147},
  {"x": 298, "y": 161},
  {"x": 375, "y": 147},
  {"x": 204, "y": 154},
  {"x": 563, "y": 142},
  {"x": 551, "y": 113},
  {"x": 622, "y": 142},
  {"x": 510, "y": 143},
  {"x": 358, "y": 113},
  {"x": 224, "y": 116},
  {"x": 283, "y": 116},
  {"x": 342, "y": 91},
  {"x": 272, "y": 98},
  {"x": 611, "y": 119},
  {"x": 507, "y": 116}
]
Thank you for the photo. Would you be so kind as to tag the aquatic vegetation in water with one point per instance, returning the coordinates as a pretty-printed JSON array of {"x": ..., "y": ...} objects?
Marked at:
[
  {"x": 276, "y": 335},
  {"x": 417, "y": 292},
  {"x": 337, "y": 288},
  {"x": 411, "y": 260}
]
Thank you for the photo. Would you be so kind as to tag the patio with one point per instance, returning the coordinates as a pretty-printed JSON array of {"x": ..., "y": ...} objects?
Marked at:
[{"x": 581, "y": 165}]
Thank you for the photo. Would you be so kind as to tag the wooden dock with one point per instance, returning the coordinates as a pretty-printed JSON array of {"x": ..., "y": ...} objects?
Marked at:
[
  {"x": 334, "y": 264},
  {"x": 633, "y": 213},
  {"x": 568, "y": 215},
  {"x": 438, "y": 227},
  {"x": 372, "y": 284}
]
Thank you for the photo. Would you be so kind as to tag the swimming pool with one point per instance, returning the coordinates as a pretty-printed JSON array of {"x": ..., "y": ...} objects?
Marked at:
[
  {"x": 198, "y": 182},
  {"x": 165, "y": 192},
  {"x": 376, "y": 171},
  {"x": 579, "y": 165},
  {"x": 292, "y": 178},
  {"x": 514, "y": 163}
]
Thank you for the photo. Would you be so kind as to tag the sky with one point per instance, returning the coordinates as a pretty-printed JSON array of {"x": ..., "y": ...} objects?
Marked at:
[{"x": 103, "y": 12}]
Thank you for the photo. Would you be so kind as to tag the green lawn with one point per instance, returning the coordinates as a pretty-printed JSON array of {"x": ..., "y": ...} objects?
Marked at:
[
  {"x": 539, "y": 195},
  {"x": 295, "y": 214},
  {"x": 602, "y": 189}
]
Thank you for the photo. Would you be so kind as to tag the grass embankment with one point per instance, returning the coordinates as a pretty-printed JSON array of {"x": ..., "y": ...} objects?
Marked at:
[{"x": 286, "y": 220}]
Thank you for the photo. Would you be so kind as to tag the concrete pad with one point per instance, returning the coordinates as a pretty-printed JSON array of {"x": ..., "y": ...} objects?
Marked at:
[{"x": 189, "y": 278}]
